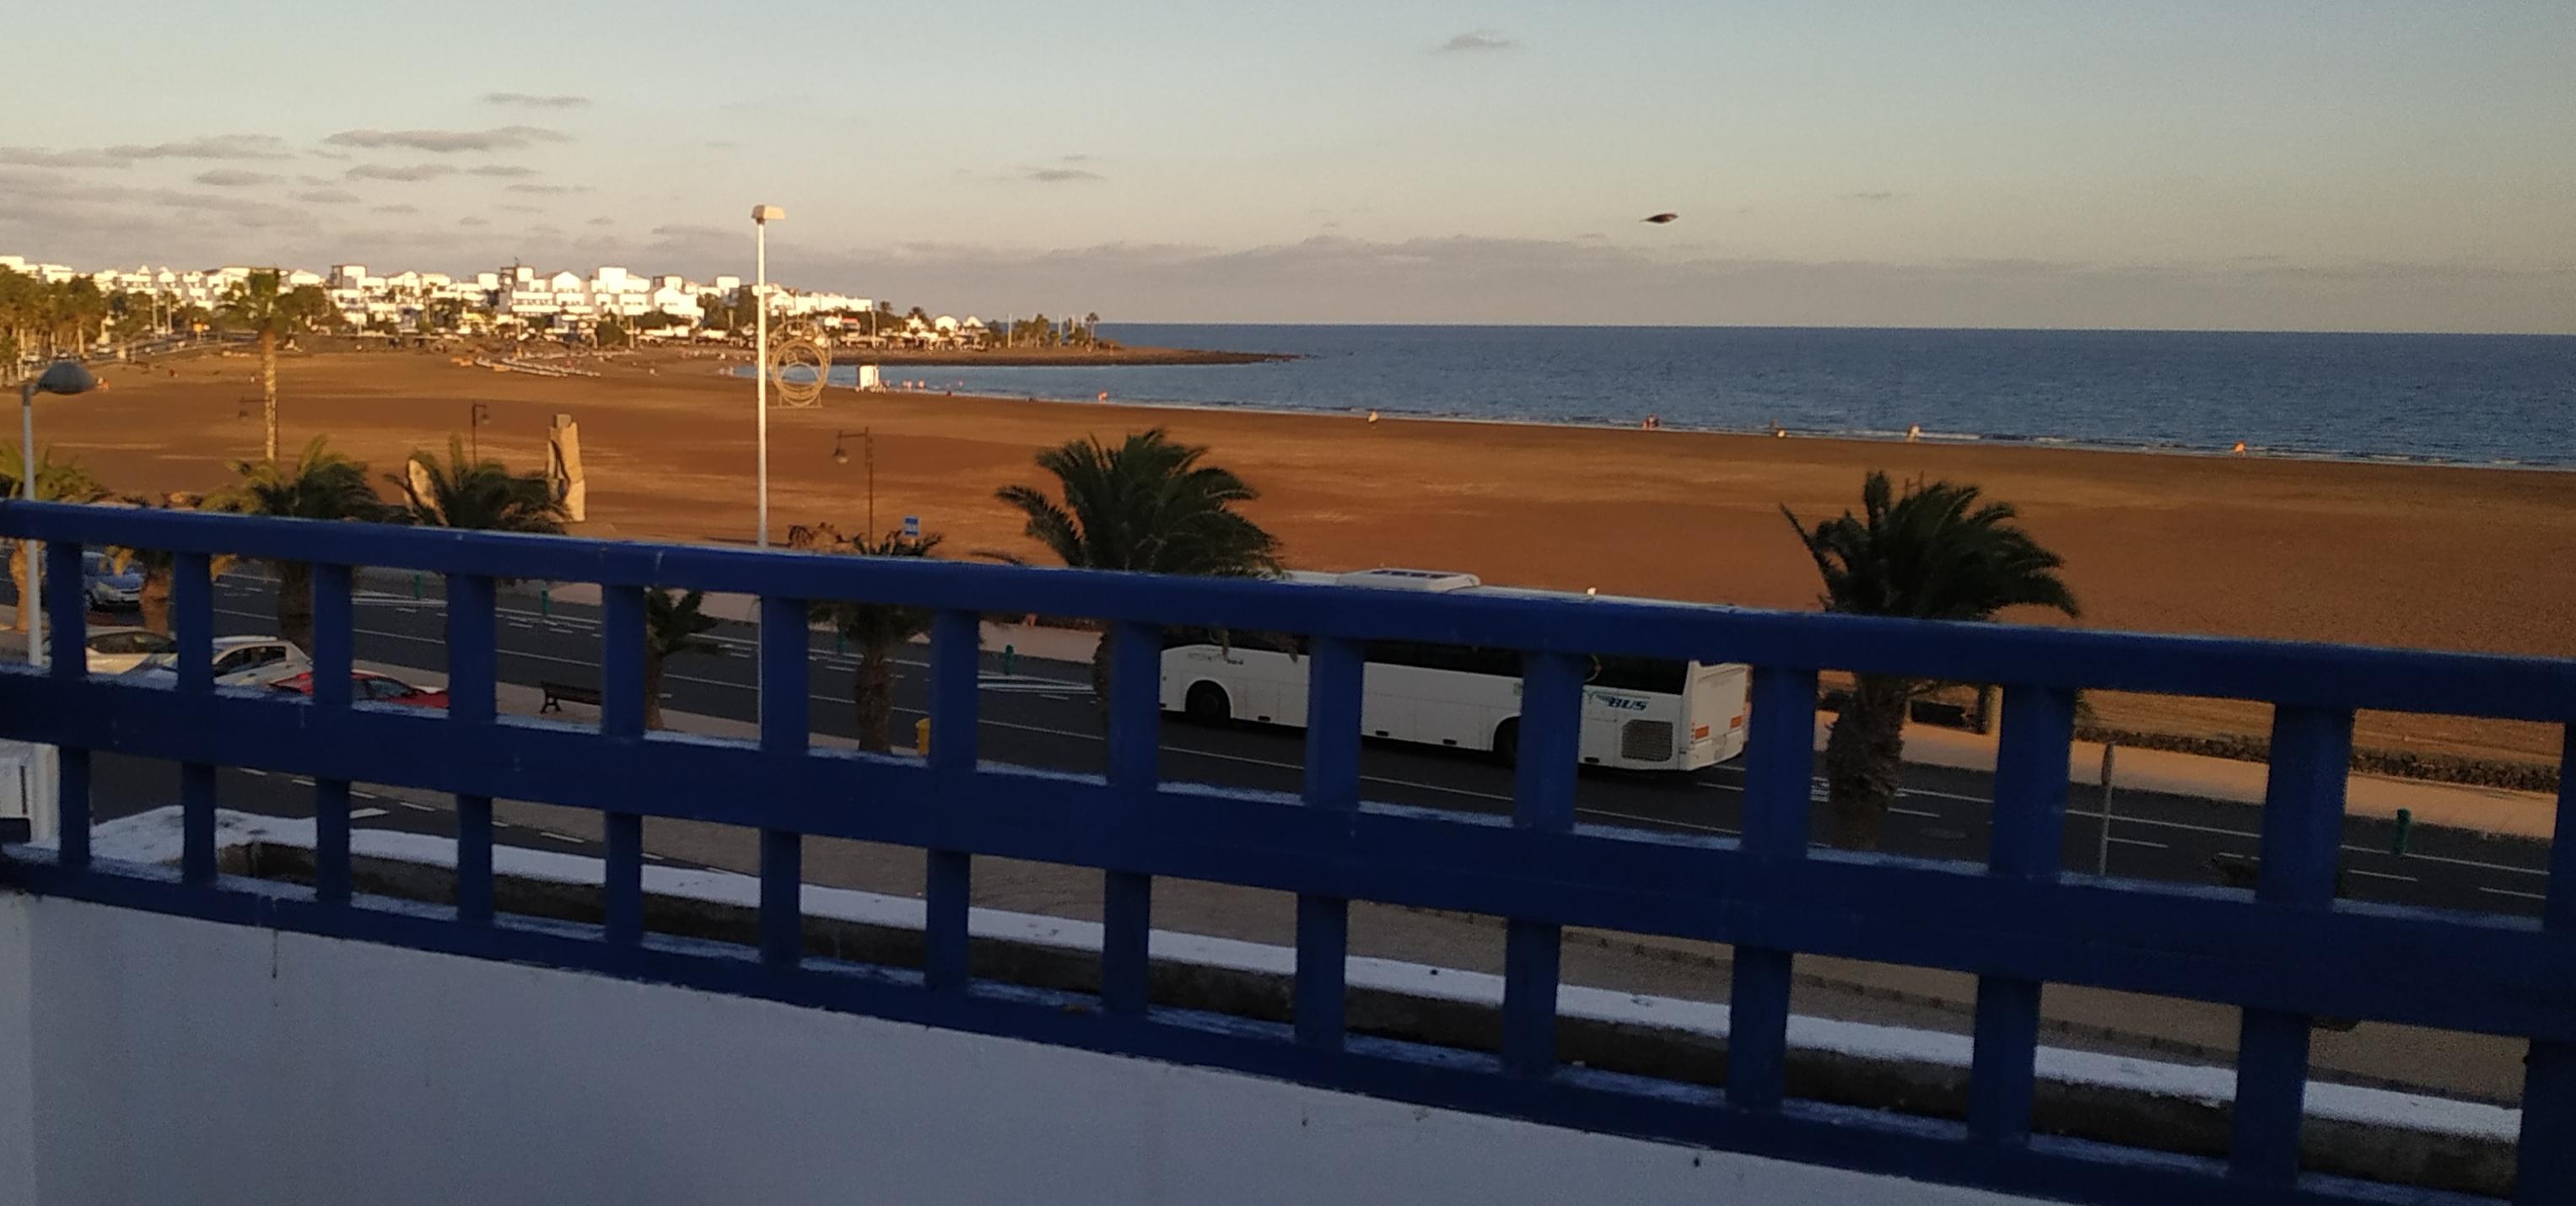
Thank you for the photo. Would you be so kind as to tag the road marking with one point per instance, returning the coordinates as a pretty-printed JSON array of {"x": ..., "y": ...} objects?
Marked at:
[
  {"x": 2512, "y": 893},
  {"x": 2403, "y": 879},
  {"x": 253, "y": 770},
  {"x": 1913, "y": 812},
  {"x": 2121, "y": 841},
  {"x": 367, "y": 814},
  {"x": 560, "y": 837},
  {"x": 416, "y": 805}
]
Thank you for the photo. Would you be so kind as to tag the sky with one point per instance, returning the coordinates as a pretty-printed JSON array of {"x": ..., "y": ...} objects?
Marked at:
[{"x": 2343, "y": 165}]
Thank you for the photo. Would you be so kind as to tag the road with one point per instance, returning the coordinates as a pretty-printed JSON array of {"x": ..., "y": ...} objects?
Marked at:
[{"x": 1042, "y": 715}]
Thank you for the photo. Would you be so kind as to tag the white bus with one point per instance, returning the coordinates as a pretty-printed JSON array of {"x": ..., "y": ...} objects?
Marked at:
[{"x": 1638, "y": 713}]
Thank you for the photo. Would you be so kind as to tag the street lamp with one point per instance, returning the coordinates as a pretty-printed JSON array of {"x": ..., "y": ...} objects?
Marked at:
[
  {"x": 761, "y": 217},
  {"x": 474, "y": 421},
  {"x": 64, "y": 377}
]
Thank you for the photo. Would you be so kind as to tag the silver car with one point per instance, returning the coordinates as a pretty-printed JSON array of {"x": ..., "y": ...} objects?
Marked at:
[{"x": 240, "y": 661}]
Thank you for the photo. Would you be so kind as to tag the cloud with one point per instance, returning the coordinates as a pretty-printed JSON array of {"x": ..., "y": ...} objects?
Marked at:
[
  {"x": 213, "y": 146},
  {"x": 446, "y": 142},
  {"x": 1876, "y": 195},
  {"x": 502, "y": 171},
  {"x": 686, "y": 232},
  {"x": 329, "y": 196},
  {"x": 234, "y": 178},
  {"x": 473, "y": 221},
  {"x": 378, "y": 171},
  {"x": 40, "y": 157},
  {"x": 549, "y": 188},
  {"x": 602, "y": 221},
  {"x": 1075, "y": 158},
  {"x": 1475, "y": 40},
  {"x": 530, "y": 100},
  {"x": 518, "y": 209},
  {"x": 1061, "y": 175},
  {"x": 397, "y": 209}
]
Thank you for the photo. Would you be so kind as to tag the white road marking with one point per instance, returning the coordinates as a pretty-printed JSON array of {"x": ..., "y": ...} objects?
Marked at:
[
  {"x": 2121, "y": 841},
  {"x": 2403, "y": 879},
  {"x": 367, "y": 814},
  {"x": 2511, "y": 892},
  {"x": 1913, "y": 812},
  {"x": 560, "y": 837}
]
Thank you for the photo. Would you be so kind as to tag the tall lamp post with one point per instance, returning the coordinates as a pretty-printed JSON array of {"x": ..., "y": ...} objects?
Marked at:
[
  {"x": 761, "y": 217},
  {"x": 64, "y": 377}
]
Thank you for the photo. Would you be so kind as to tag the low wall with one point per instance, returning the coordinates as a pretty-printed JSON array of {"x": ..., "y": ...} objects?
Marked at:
[{"x": 153, "y": 1058}]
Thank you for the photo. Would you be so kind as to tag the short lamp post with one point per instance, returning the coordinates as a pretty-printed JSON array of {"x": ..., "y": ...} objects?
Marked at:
[{"x": 64, "y": 377}]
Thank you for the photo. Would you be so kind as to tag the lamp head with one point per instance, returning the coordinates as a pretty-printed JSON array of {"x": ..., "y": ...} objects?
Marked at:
[
  {"x": 767, "y": 213},
  {"x": 840, "y": 455},
  {"x": 66, "y": 377}
]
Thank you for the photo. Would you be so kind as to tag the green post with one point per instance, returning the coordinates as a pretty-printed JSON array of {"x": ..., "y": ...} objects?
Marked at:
[
  {"x": 415, "y": 587},
  {"x": 1009, "y": 654},
  {"x": 545, "y": 599},
  {"x": 840, "y": 643},
  {"x": 2405, "y": 830}
]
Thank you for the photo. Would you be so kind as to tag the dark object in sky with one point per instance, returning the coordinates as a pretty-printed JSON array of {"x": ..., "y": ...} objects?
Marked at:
[{"x": 1660, "y": 219}]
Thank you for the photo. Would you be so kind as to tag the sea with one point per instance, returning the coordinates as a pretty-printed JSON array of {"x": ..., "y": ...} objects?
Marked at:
[{"x": 2496, "y": 400}]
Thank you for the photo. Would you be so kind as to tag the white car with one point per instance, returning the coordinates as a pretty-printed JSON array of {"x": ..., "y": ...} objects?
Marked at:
[
  {"x": 240, "y": 661},
  {"x": 117, "y": 650}
]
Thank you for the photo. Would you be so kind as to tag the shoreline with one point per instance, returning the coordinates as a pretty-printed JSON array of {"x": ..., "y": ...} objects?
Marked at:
[
  {"x": 1012, "y": 358},
  {"x": 1869, "y": 437}
]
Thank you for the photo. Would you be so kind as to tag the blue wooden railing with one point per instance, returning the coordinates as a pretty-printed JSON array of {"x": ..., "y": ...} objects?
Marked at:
[{"x": 2284, "y": 952}]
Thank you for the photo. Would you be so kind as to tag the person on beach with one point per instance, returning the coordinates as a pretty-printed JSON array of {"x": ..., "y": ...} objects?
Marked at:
[
  {"x": 1913, "y": 432},
  {"x": 1372, "y": 414}
]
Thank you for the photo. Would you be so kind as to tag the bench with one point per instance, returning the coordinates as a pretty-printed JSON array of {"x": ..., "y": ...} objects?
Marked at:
[{"x": 559, "y": 694}]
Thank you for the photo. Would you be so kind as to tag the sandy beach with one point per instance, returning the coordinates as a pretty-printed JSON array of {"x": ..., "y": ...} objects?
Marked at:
[{"x": 2443, "y": 558}]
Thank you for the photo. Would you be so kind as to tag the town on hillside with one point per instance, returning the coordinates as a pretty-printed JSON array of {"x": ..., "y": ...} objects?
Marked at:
[{"x": 48, "y": 309}]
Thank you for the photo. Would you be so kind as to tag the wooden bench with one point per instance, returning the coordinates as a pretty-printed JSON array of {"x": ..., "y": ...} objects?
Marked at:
[{"x": 559, "y": 694}]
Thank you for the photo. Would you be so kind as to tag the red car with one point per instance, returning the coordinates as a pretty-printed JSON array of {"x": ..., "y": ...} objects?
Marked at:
[{"x": 366, "y": 685}]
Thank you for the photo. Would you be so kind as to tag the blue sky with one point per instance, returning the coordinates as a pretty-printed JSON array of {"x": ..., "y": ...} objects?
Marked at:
[{"x": 2344, "y": 165}]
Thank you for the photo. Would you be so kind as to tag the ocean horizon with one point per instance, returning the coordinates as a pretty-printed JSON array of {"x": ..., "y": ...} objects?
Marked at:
[{"x": 2457, "y": 399}]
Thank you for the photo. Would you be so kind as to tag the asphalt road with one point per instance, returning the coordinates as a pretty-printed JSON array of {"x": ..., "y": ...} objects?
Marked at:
[{"x": 1042, "y": 715}]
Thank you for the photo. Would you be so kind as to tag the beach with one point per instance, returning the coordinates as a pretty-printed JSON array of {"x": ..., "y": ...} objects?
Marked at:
[{"x": 2403, "y": 555}]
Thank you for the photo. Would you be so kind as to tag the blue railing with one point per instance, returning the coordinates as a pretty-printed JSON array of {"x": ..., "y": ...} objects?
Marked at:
[{"x": 2284, "y": 952}]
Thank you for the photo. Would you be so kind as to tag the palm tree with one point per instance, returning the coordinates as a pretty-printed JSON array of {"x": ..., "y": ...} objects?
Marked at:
[
  {"x": 1147, "y": 505},
  {"x": 256, "y": 305},
  {"x": 479, "y": 494},
  {"x": 153, "y": 600},
  {"x": 321, "y": 484},
  {"x": 878, "y": 629},
  {"x": 674, "y": 624},
  {"x": 56, "y": 481},
  {"x": 1933, "y": 553}
]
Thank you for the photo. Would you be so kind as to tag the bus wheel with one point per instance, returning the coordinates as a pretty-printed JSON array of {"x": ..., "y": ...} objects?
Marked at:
[
  {"x": 1207, "y": 704},
  {"x": 1507, "y": 742}
]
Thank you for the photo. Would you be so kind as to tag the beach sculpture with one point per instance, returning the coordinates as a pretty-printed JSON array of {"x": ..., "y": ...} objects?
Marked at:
[{"x": 563, "y": 468}]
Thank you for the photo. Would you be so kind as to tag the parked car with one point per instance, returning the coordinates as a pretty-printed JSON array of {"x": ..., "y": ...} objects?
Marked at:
[
  {"x": 109, "y": 588},
  {"x": 240, "y": 661},
  {"x": 117, "y": 650},
  {"x": 367, "y": 686}
]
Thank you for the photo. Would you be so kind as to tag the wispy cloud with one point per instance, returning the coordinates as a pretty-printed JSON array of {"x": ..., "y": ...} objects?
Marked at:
[
  {"x": 413, "y": 174},
  {"x": 446, "y": 142},
  {"x": 330, "y": 196},
  {"x": 1474, "y": 41},
  {"x": 41, "y": 157},
  {"x": 502, "y": 171},
  {"x": 511, "y": 207},
  {"x": 1875, "y": 195},
  {"x": 213, "y": 146},
  {"x": 234, "y": 178},
  {"x": 531, "y": 100},
  {"x": 1061, "y": 175},
  {"x": 602, "y": 221},
  {"x": 549, "y": 188},
  {"x": 473, "y": 221},
  {"x": 397, "y": 209}
]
